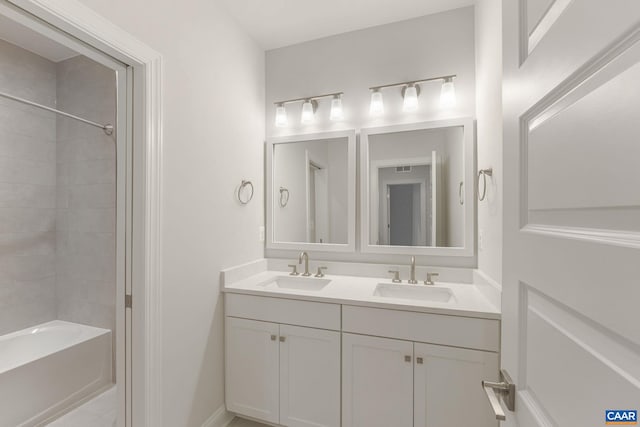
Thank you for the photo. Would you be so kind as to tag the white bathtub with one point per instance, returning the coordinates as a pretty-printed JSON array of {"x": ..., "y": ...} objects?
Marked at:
[{"x": 46, "y": 369}]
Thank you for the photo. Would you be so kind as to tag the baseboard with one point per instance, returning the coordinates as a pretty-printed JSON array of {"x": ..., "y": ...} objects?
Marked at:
[{"x": 220, "y": 418}]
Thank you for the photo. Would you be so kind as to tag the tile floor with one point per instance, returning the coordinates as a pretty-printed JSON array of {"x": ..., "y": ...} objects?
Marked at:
[
  {"x": 239, "y": 422},
  {"x": 101, "y": 411}
]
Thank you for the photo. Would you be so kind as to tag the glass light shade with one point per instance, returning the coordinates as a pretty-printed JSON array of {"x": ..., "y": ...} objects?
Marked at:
[
  {"x": 336, "y": 109},
  {"x": 448, "y": 95},
  {"x": 281, "y": 116},
  {"x": 377, "y": 105},
  {"x": 307, "y": 113},
  {"x": 410, "y": 99}
]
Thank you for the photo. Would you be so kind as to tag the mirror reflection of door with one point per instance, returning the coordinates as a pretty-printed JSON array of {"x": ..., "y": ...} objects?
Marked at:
[
  {"x": 408, "y": 209},
  {"x": 317, "y": 202}
]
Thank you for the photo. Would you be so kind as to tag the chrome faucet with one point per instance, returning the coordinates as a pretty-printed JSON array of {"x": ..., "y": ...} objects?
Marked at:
[
  {"x": 430, "y": 277},
  {"x": 305, "y": 256},
  {"x": 412, "y": 279}
]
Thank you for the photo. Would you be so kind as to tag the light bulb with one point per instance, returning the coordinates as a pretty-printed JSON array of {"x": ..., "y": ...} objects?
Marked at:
[
  {"x": 336, "y": 108},
  {"x": 307, "y": 113},
  {"x": 410, "y": 98},
  {"x": 281, "y": 116},
  {"x": 448, "y": 94},
  {"x": 377, "y": 105}
]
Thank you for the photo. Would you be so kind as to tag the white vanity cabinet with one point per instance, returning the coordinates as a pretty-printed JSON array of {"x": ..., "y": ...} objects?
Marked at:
[
  {"x": 280, "y": 373},
  {"x": 404, "y": 383}
]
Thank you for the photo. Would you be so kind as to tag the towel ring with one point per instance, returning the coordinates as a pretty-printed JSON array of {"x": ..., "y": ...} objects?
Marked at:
[
  {"x": 244, "y": 184},
  {"x": 460, "y": 198},
  {"x": 483, "y": 173},
  {"x": 284, "y": 197}
]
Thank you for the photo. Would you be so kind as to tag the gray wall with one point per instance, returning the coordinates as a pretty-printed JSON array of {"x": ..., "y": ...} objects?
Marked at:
[
  {"x": 86, "y": 195},
  {"x": 426, "y": 46},
  {"x": 57, "y": 193},
  {"x": 27, "y": 191}
]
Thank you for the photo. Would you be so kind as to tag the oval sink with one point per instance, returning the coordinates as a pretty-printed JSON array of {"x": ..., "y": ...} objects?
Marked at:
[
  {"x": 299, "y": 283},
  {"x": 413, "y": 292}
]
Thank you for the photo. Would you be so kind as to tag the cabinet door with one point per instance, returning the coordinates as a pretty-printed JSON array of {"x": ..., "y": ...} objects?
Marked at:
[
  {"x": 448, "y": 390},
  {"x": 377, "y": 382},
  {"x": 309, "y": 377},
  {"x": 252, "y": 368}
]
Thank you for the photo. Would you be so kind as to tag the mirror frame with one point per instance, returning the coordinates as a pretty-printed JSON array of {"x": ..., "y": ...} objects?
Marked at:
[
  {"x": 350, "y": 246},
  {"x": 469, "y": 190}
]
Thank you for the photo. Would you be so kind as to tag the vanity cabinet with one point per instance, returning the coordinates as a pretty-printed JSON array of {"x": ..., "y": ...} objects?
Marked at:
[
  {"x": 412, "y": 383},
  {"x": 281, "y": 373},
  {"x": 377, "y": 382}
]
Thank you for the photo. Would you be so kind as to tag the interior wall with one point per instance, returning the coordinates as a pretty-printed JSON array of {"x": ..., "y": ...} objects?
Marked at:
[
  {"x": 86, "y": 196},
  {"x": 432, "y": 45},
  {"x": 27, "y": 191},
  {"x": 213, "y": 132},
  {"x": 489, "y": 134}
]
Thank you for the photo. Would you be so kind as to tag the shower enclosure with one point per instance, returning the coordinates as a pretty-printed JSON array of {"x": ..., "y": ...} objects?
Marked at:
[{"x": 63, "y": 215}]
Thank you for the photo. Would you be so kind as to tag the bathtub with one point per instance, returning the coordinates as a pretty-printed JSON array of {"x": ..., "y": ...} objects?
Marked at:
[{"x": 49, "y": 368}]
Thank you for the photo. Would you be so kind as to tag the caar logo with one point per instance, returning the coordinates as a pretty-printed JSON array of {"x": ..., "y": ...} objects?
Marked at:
[{"x": 621, "y": 417}]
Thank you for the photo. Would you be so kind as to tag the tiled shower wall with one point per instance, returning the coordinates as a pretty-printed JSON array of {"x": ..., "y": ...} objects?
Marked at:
[
  {"x": 86, "y": 195},
  {"x": 57, "y": 193},
  {"x": 27, "y": 191}
]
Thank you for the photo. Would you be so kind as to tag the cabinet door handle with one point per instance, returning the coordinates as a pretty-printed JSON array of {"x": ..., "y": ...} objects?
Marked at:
[
  {"x": 273, "y": 337},
  {"x": 407, "y": 358},
  {"x": 419, "y": 360},
  {"x": 282, "y": 339}
]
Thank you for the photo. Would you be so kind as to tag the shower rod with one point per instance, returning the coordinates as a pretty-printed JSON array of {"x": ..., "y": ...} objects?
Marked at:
[{"x": 108, "y": 129}]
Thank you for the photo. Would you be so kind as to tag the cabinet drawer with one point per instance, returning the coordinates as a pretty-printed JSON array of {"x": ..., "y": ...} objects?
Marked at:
[
  {"x": 481, "y": 334},
  {"x": 279, "y": 310}
]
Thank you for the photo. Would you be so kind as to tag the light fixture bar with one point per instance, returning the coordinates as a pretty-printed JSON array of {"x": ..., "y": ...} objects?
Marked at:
[
  {"x": 449, "y": 77},
  {"x": 309, "y": 98}
]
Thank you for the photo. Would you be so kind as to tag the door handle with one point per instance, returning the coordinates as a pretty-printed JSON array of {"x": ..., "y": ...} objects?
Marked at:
[{"x": 505, "y": 388}]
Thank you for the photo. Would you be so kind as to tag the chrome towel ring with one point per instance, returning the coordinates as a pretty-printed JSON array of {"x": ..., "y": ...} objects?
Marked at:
[
  {"x": 241, "y": 188},
  {"x": 284, "y": 197},
  {"x": 483, "y": 173}
]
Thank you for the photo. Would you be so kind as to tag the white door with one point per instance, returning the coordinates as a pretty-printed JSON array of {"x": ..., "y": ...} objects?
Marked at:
[
  {"x": 377, "y": 382},
  {"x": 309, "y": 377},
  {"x": 252, "y": 369},
  {"x": 446, "y": 386},
  {"x": 571, "y": 278}
]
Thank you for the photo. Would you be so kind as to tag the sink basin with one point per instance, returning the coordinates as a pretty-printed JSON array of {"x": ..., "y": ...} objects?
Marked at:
[
  {"x": 296, "y": 282},
  {"x": 413, "y": 292}
]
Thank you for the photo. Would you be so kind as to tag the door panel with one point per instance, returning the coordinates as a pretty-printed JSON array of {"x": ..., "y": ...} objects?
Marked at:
[
  {"x": 571, "y": 210},
  {"x": 252, "y": 368},
  {"x": 309, "y": 377},
  {"x": 446, "y": 386},
  {"x": 377, "y": 382}
]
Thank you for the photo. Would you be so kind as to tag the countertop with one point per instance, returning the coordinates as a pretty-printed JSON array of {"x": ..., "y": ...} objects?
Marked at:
[{"x": 467, "y": 300}]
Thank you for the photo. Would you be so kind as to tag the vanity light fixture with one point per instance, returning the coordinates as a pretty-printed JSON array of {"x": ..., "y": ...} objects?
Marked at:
[
  {"x": 309, "y": 107},
  {"x": 336, "y": 108},
  {"x": 281, "y": 115},
  {"x": 377, "y": 105},
  {"x": 410, "y": 93},
  {"x": 308, "y": 111},
  {"x": 448, "y": 94}
]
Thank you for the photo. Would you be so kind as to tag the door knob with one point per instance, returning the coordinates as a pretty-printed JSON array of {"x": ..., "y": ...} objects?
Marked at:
[{"x": 505, "y": 388}]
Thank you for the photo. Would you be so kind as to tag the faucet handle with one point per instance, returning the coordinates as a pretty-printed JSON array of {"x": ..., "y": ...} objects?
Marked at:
[
  {"x": 320, "y": 273},
  {"x": 430, "y": 277},
  {"x": 396, "y": 276},
  {"x": 295, "y": 270}
]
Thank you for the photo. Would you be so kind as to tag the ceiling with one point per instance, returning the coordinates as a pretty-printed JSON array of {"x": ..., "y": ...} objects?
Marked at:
[
  {"x": 28, "y": 39},
  {"x": 278, "y": 23}
]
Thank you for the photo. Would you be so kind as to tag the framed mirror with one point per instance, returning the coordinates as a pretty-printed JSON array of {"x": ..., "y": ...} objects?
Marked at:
[
  {"x": 311, "y": 192},
  {"x": 417, "y": 188}
]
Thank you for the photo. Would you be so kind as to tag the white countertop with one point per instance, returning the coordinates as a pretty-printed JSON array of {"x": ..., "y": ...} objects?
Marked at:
[{"x": 467, "y": 299}]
